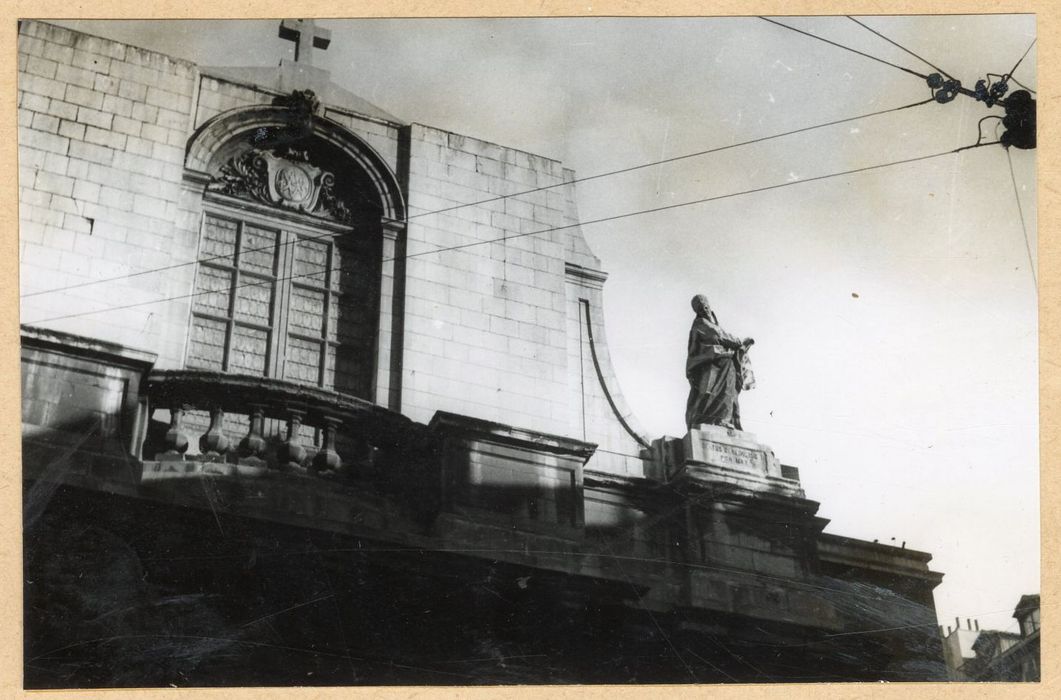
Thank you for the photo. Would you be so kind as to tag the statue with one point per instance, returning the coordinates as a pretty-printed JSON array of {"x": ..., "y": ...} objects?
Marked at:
[{"x": 717, "y": 370}]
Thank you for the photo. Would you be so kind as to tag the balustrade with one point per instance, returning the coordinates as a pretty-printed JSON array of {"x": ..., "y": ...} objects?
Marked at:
[
  {"x": 176, "y": 442},
  {"x": 362, "y": 429},
  {"x": 214, "y": 443}
]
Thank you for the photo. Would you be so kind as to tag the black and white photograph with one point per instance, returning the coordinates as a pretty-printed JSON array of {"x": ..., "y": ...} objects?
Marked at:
[{"x": 529, "y": 351}]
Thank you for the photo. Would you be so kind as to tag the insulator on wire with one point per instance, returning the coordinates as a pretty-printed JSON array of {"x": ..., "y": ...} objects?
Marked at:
[
  {"x": 943, "y": 90},
  {"x": 990, "y": 96}
]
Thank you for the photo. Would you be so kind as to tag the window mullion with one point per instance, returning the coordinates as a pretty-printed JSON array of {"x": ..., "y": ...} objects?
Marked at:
[
  {"x": 282, "y": 301},
  {"x": 230, "y": 325},
  {"x": 326, "y": 321}
]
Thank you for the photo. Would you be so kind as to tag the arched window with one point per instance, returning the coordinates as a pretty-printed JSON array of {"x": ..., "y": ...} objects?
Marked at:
[{"x": 292, "y": 249}]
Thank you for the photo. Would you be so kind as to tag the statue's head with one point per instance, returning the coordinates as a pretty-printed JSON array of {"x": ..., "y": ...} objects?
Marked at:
[{"x": 701, "y": 306}]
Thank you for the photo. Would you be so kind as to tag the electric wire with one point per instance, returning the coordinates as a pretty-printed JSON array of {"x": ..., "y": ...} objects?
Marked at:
[
  {"x": 1024, "y": 227},
  {"x": 1004, "y": 78},
  {"x": 1023, "y": 85},
  {"x": 1021, "y": 59},
  {"x": 920, "y": 58},
  {"x": 615, "y": 217},
  {"x": 979, "y": 126},
  {"x": 846, "y": 48},
  {"x": 1013, "y": 177},
  {"x": 543, "y": 188}
]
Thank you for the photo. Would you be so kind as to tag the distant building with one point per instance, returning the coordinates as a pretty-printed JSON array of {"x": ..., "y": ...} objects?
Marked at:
[
  {"x": 1005, "y": 656},
  {"x": 993, "y": 655},
  {"x": 343, "y": 413},
  {"x": 958, "y": 647}
]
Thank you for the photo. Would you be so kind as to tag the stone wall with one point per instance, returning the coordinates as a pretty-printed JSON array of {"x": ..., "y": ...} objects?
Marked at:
[
  {"x": 495, "y": 322},
  {"x": 102, "y": 128},
  {"x": 488, "y": 318},
  {"x": 485, "y": 320}
]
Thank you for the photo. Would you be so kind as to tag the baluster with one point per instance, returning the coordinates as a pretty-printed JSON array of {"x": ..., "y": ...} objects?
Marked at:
[
  {"x": 176, "y": 441},
  {"x": 214, "y": 444},
  {"x": 327, "y": 460},
  {"x": 290, "y": 453},
  {"x": 252, "y": 447}
]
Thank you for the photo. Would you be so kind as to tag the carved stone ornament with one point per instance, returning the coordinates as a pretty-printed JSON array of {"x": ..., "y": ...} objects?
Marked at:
[
  {"x": 301, "y": 106},
  {"x": 288, "y": 180},
  {"x": 299, "y": 101}
]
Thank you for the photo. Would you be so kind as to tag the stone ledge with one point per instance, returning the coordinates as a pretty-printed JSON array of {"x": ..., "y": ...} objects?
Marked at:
[
  {"x": 693, "y": 473},
  {"x": 70, "y": 344},
  {"x": 848, "y": 551},
  {"x": 167, "y": 470},
  {"x": 468, "y": 427},
  {"x": 589, "y": 277}
]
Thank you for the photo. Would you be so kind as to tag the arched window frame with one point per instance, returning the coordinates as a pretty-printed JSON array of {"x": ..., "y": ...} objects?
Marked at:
[{"x": 220, "y": 130}]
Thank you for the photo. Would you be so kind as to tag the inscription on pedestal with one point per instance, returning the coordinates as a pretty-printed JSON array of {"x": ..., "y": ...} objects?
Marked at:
[
  {"x": 711, "y": 452},
  {"x": 733, "y": 456}
]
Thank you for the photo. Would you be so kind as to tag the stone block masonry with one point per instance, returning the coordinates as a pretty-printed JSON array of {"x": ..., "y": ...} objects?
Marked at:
[
  {"x": 102, "y": 129},
  {"x": 483, "y": 309}
]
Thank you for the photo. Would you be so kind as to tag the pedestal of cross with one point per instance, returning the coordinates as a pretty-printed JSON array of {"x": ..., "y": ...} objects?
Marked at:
[{"x": 300, "y": 73}]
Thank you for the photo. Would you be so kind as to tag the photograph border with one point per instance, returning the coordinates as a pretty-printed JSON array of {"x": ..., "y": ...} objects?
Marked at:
[{"x": 1048, "y": 22}]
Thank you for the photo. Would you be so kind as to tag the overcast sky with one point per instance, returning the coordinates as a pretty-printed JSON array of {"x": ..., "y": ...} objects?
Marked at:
[{"x": 894, "y": 311}]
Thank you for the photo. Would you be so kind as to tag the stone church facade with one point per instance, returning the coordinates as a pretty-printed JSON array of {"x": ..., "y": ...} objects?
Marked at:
[{"x": 315, "y": 395}]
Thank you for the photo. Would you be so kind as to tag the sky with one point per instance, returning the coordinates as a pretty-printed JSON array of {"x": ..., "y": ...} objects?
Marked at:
[{"x": 894, "y": 311}]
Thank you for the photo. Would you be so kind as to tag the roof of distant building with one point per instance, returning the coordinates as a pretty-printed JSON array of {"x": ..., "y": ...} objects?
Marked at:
[
  {"x": 988, "y": 638},
  {"x": 1027, "y": 604}
]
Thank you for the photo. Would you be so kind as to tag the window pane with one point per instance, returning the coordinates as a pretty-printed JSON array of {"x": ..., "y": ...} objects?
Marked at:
[
  {"x": 257, "y": 252},
  {"x": 219, "y": 240},
  {"x": 302, "y": 270},
  {"x": 311, "y": 262},
  {"x": 249, "y": 350},
  {"x": 207, "y": 347},
  {"x": 254, "y": 300},
  {"x": 307, "y": 312},
  {"x": 303, "y": 361},
  {"x": 213, "y": 287}
]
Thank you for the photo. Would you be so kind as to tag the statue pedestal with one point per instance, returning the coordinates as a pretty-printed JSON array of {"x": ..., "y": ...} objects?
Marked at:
[
  {"x": 713, "y": 454},
  {"x": 751, "y": 532}
]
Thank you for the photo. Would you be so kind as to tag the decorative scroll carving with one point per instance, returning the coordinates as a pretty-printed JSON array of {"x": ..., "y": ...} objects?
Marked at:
[
  {"x": 284, "y": 178},
  {"x": 330, "y": 202}
]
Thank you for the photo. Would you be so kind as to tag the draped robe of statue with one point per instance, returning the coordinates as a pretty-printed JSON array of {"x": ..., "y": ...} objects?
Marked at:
[{"x": 714, "y": 373}]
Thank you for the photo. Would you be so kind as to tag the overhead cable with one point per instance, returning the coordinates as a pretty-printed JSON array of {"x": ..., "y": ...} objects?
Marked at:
[
  {"x": 1024, "y": 227},
  {"x": 510, "y": 237},
  {"x": 846, "y": 48},
  {"x": 1021, "y": 59},
  {"x": 543, "y": 188},
  {"x": 893, "y": 43}
]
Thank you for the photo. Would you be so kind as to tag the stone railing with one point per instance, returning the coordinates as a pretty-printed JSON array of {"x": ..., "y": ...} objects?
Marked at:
[{"x": 374, "y": 438}]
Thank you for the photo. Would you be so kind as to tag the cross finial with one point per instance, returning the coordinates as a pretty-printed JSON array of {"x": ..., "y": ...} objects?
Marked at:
[{"x": 297, "y": 29}]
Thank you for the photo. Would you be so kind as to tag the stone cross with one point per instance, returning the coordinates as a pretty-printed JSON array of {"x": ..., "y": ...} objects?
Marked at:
[{"x": 297, "y": 29}]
